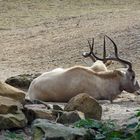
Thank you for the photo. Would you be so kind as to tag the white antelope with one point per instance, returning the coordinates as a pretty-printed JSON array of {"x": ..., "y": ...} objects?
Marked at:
[{"x": 60, "y": 85}]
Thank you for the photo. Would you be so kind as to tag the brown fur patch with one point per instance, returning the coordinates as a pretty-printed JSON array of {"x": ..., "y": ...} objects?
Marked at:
[{"x": 103, "y": 74}]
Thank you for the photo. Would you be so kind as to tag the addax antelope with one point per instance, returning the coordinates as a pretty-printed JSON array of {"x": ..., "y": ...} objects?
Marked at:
[{"x": 60, "y": 85}]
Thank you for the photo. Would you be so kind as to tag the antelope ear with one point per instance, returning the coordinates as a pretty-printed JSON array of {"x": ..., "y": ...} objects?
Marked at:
[{"x": 118, "y": 72}]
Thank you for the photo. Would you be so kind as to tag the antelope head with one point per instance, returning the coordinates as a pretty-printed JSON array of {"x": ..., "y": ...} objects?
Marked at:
[{"x": 128, "y": 81}]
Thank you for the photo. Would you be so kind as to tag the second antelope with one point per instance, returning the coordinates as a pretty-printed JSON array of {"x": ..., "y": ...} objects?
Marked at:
[{"x": 60, "y": 85}]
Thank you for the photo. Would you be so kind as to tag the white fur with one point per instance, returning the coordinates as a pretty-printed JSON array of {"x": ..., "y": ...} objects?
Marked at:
[{"x": 61, "y": 85}]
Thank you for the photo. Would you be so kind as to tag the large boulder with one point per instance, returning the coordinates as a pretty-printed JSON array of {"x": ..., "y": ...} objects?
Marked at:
[
  {"x": 34, "y": 111},
  {"x": 86, "y": 104},
  {"x": 22, "y": 81},
  {"x": 14, "y": 120},
  {"x": 11, "y": 115},
  {"x": 11, "y": 92},
  {"x": 44, "y": 129},
  {"x": 8, "y": 105}
]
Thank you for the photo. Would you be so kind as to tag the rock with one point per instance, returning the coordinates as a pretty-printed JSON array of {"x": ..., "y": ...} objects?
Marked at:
[
  {"x": 22, "y": 81},
  {"x": 11, "y": 115},
  {"x": 43, "y": 129},
  {"x": 70, "y": 117},
  {"x": 38, "y": 102},
  {"x": 16, "y": 120},
  {"x": 130, "y": 122},
  {"x": 34, "y": 111},
  {"x": 8, "y": 105},
  {"x": 57, "y": 107},
  {"x": 86, "y": 104},
  {"x": 11, "y": 92}
]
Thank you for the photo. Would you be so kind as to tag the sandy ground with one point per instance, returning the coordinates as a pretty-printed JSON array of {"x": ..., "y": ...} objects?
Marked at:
[
  {"x": 32, "y": 39},
  {"x": 37, "y": 36}
]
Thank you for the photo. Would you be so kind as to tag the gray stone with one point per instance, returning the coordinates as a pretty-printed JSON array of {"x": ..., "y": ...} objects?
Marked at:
[
  {"x": 86, "y": 104},
  {"x": 22, "y": 81},
  {"x": 34, "y": 111},
  {"x": 54, "y": 131},
  {"x": 16, "y": 120},
  {"x": 57, "y": 107},
  {"x": 70, "y": 117}
]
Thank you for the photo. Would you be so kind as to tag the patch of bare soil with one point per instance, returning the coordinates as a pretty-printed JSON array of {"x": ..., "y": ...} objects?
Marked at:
[{"x": 37, "y": 36}]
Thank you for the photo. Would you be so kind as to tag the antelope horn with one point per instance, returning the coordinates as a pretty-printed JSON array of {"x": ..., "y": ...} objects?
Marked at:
[{"x": 117, "y": 57}]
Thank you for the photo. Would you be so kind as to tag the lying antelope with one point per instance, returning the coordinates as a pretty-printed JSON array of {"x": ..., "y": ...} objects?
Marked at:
[{"x": 60, "y": 85}]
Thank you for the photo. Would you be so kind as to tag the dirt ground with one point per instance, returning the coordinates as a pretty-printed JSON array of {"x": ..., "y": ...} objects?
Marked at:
[
  {"x": 39, "y": 35},
  {"x": 36, "y": 36}
]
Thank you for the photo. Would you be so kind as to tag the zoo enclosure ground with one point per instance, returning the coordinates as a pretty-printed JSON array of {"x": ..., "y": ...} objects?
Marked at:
[{"x": 39, "y": 35}]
